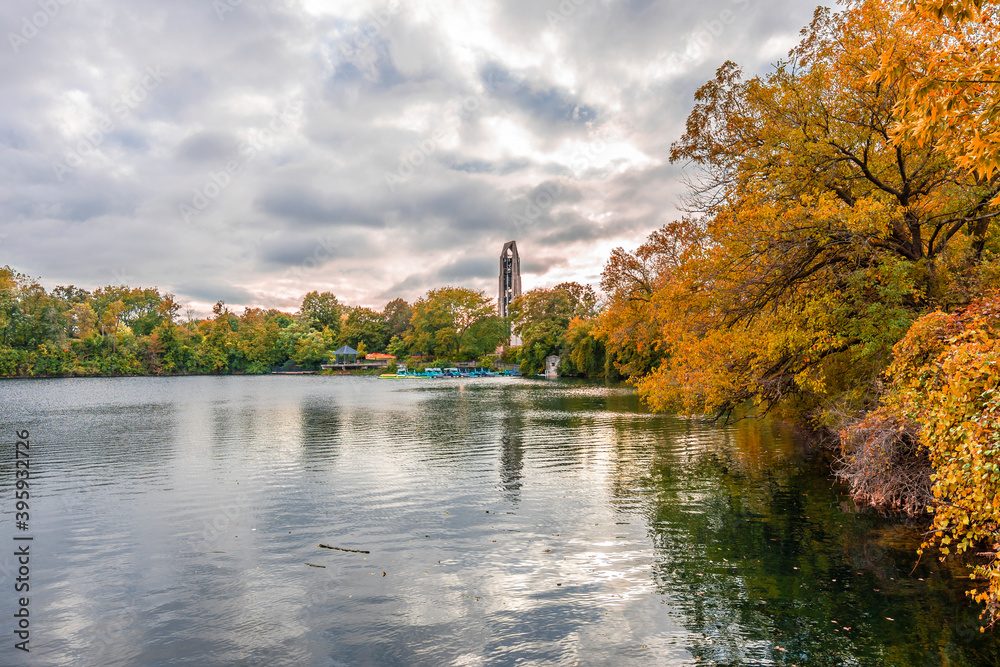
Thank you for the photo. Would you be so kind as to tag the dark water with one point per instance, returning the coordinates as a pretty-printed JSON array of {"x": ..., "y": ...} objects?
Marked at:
[{"x": 508, "y": 522}]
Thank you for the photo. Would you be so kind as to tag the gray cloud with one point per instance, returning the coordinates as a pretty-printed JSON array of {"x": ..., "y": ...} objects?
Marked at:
[
  {"x": 208, "y": 147},
  {"x": 374, "y": 149},
  {"x": 467, "y": 268},
  {"x": 539, "y": 101},
  {"x": 311, "y": 205},
  {"x": 227, "y": 293},
  {"x": 299, "y": 251}
]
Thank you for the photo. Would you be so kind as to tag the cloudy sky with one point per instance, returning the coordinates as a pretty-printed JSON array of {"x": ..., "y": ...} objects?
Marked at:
[{"x": 252, "y": 150}]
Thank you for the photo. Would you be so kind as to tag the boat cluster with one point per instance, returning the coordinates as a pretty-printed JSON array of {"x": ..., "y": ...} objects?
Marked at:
[{"x": 433, "y": 373}]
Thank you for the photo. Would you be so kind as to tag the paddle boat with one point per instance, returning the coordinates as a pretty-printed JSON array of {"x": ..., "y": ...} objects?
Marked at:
[{"x": 403, "y": 374}]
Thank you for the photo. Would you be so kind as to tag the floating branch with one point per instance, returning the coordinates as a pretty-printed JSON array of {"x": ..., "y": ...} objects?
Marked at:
[{"x": 353, "y": 551}]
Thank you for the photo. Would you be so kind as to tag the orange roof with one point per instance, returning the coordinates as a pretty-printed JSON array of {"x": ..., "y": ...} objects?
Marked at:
[{"x": 379, "y": 355}]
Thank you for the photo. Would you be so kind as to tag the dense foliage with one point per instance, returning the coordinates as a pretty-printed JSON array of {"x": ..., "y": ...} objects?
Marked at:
[
  {"x": 455, "y": 323},
  {"x": 944, "y": 391},
  {"x": 819, "y": 236},
  {"x": 119, "y": 330},
  {"x": 131, "y": 331},
  {"x": 843, "y": 202},
  {"x": 948, "y": 64},
  {"x": 558, "y": 321}
]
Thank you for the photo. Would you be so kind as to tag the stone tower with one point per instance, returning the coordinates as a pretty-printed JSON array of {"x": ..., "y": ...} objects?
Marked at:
[{"x": 510, "y": 277}]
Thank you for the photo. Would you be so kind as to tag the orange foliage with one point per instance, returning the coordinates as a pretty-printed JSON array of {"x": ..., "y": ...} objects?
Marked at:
[
  {"x": 948, "y": 66},
  {"x": 848, "y": 194},
  {"x": 820, "y": 238},
  {"x": 945, "y": 380}
]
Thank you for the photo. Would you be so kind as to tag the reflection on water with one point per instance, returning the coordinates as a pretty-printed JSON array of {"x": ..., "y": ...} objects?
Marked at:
[{"x": 507, "y": 520}]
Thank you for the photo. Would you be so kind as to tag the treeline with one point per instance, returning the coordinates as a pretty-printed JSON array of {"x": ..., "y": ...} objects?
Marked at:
[
  {"x": 841, "y": 261},
  {"x": 121, "y": 330}
]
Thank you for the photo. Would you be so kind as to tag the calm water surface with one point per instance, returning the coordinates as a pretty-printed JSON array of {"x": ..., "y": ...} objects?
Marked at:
[{"x": 508, "y": 521}]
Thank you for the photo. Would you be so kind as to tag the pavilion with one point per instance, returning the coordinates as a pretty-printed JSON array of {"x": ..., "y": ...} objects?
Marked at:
[{"x": 346, "y": 355}]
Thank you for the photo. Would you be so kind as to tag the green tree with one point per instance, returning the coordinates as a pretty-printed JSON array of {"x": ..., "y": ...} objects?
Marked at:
[
  {"x": 364, "y": 325},
  {"x": 541, "y": 317},
  {"x": 483, "y": 337},
  {"x": 321, "y": 310},
  {"x": 257, "y": 340},
  {"x": 140, "y": 309},
  {"x": 443, "y": 321},
  {"x": 397, "y": 314},
  {"x": 583, "y": 353},
  {"x": 314, "y": 348},
  {"x": 397, "y": 347}
]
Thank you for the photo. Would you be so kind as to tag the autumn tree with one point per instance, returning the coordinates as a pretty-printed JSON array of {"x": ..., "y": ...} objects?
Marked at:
[
  {"x": 638, "y": 285},
  {"x": 947, "y": 66},
  {"x": 943, "y": 396},
  {"x": 824, "y": 236}
]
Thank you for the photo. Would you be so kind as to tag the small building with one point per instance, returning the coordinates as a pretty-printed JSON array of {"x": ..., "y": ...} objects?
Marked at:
[
  {"x": 380, "y": 358},
  {"x": 346, "y": 355},
  {"x": 552, "y": 366}
]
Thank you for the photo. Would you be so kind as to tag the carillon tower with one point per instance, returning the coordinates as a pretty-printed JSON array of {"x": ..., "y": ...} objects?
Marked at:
[
  {"x": 510, "y": 277},
  {"x": 510, "y": 281}
]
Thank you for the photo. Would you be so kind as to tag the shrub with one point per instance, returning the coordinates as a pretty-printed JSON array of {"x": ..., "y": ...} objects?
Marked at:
[{"x": 945, "y": 388}]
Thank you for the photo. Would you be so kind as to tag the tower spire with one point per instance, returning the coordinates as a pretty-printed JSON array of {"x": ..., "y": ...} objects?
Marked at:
[{"x": 510, "y": 281}]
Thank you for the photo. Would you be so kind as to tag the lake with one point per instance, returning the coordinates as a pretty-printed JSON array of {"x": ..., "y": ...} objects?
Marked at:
[{"x": 176, "y": 521}]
